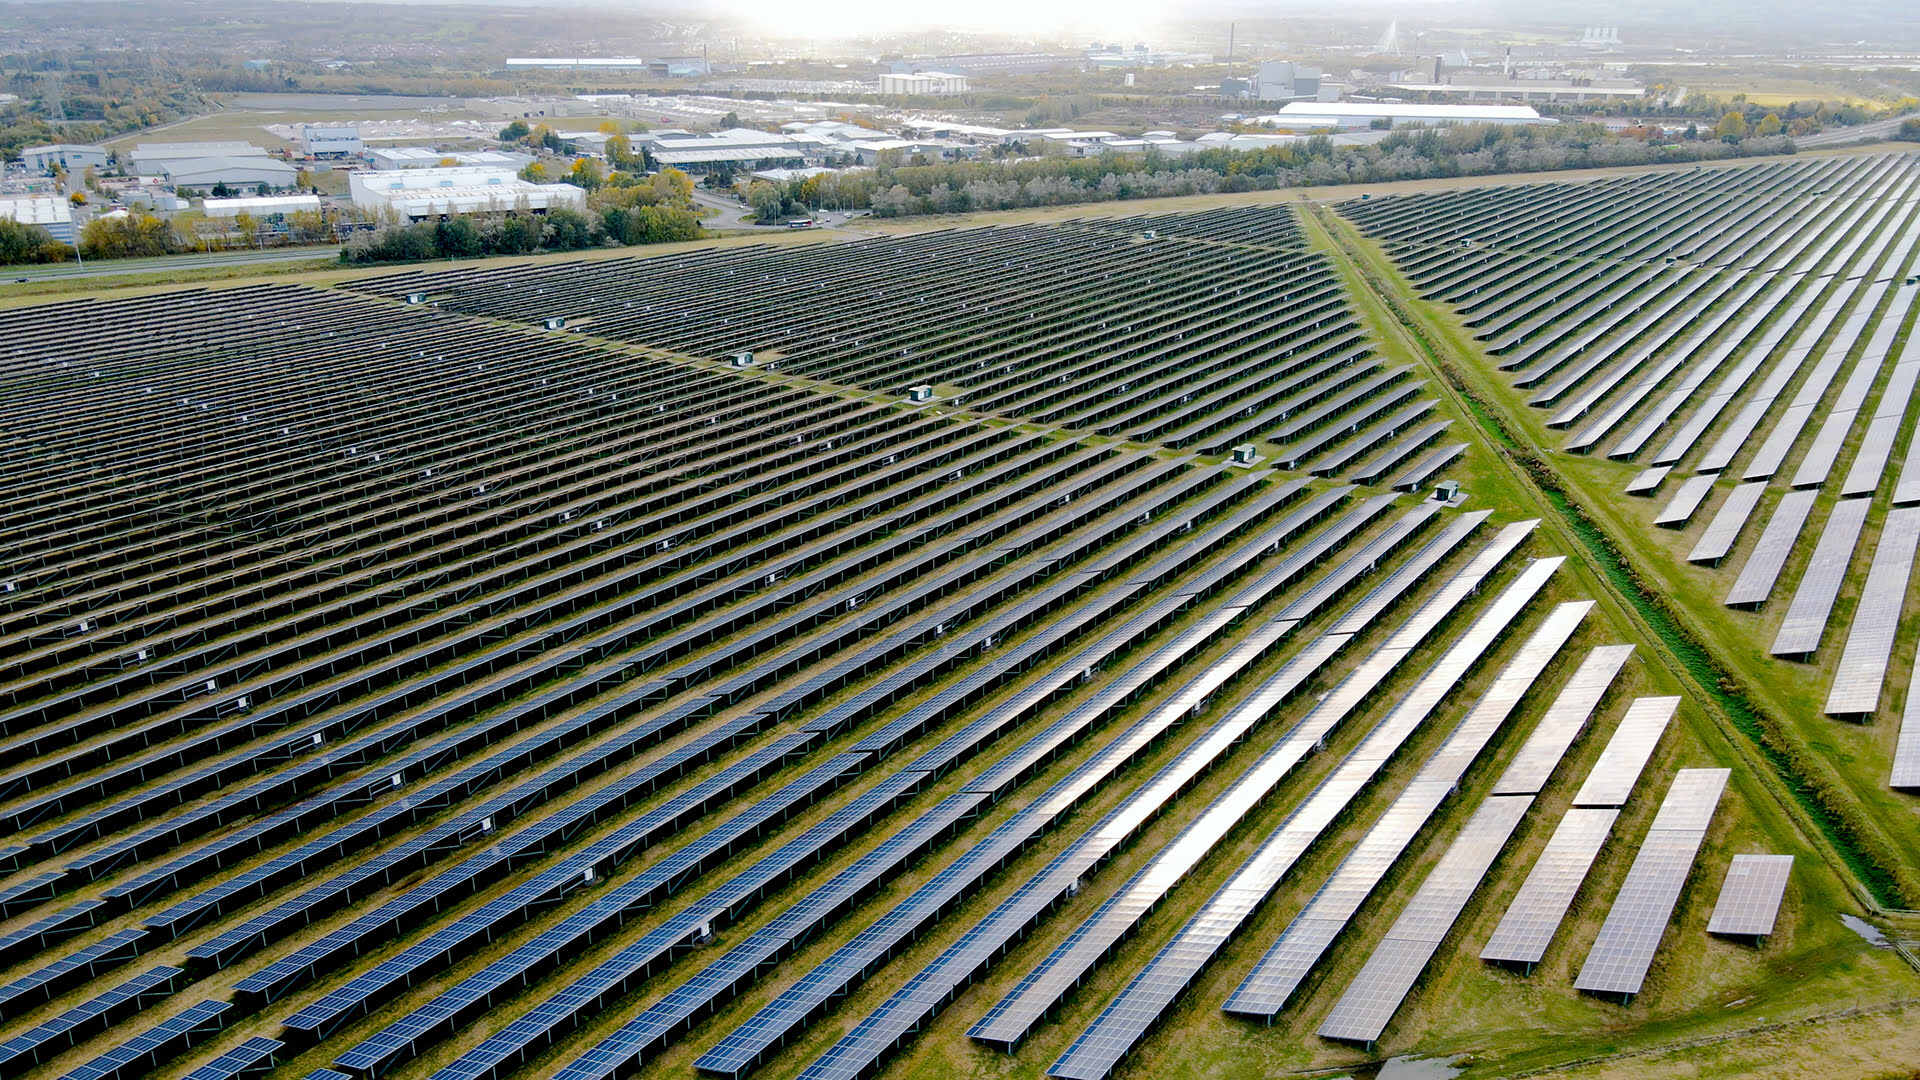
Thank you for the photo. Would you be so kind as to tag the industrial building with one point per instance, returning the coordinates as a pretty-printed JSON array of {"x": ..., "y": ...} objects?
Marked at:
[
  {"x": 1284, "y": 80},
  {"x": 261, "y": 206},
  {"x": 975, "y": 64},
  {"x": 673, "y": 67},
  {"x": 329, "y": 140},
  {"x": 923, "y": 84},
  {"x": 387, "y": 158},
  {"x": 234, "y": 172},
  {"x": 69, "y": 156},
  {"x": 420, "y": 194},
  {"x": 1344, "y": 115},
  {"x": 734, "y": 147},
  {"x": 152, "y": 157},
  {"x": 44, "y": 211},
  {"x": 1493, "y": 87}
]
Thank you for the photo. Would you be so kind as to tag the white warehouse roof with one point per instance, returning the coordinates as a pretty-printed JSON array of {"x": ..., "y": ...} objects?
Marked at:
[
  {"x": 42, "y": 210},
  {"x": 1347, "y": 111},
  {"x": 417, "y": 193},
  {"x": 261, "y": 204}
]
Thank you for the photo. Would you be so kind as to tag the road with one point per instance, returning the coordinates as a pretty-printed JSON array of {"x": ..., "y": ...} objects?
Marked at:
[
  {"x": 1844, "y": 136},
  {"x": 733, "y": 214},
  {"x": 162, "y": 264}
]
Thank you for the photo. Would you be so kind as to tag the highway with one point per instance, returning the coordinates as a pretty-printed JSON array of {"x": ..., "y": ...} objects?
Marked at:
[{"x": 164, "y": 263}]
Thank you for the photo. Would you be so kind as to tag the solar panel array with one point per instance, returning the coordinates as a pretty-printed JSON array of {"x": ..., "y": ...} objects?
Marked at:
[
  {"x": 1273, "y": 981},
  {"x": 440, "y": 696},
  {"x": 1127, "y": 1017},
  {"x": 1368, "y": 1003},
  {"x": 1637, "y": 920},
  {"x": 1736, "y": 331},
  {"x": 1201, "y": 331},
  {"x": 355, "y": 648}
]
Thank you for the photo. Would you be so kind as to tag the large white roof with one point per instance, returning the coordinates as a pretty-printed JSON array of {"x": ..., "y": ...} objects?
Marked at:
[
  {"x": 1410, "y": 112},
  {"x": 36, "y": 209}
]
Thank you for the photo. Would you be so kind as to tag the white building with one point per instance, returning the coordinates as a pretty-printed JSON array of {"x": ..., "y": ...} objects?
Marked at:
[
  {"x": 420, "y": 194},
  {"x": 68, "y": 156},
  {"x": 45, "y": 211},
  {"x": 923, "y": 84},
  {"x": 261, "y": 206},
  {"x": 426, "y": 157},
  {"x": 328, "y": 140},
  {"x": 1308, "y": 115}
]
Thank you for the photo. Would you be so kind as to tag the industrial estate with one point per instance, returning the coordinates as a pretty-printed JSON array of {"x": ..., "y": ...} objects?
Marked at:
[{"x": 1453, "y": 627}]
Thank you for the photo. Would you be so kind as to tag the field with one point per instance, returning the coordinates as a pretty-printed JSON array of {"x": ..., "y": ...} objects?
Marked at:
[{"x": 484, "y": 670}]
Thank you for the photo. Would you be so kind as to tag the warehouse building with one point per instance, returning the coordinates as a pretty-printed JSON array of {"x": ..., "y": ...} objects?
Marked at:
[
  {"x": 329, "y": 140},
  {"x": 923, "y": 84},
  {"x": 150, "y": 158},
  {"x": 1342, "y": 115},
  {"x": 261, "y": 206},
  {"x": 45, "y": 211},
  {"x": 426, "y": 157},
  {"x": 203, "y": 173},
  {"x": 69, "y": 156},
  {"x": 423, "y": 194},
  {"x": 735, "y": 147}
]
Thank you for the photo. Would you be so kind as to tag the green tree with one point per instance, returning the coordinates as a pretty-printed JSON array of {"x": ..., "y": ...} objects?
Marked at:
[
  {"x": 516, "y": 234},
  {"x": 621, "y": 156},
  {"x": 515, "y": 131},
  {"x": 1732, "y": 127},
  {"x": 1768, "y": 125},
  {"x": 458, "y": 238},
  {"x": 21, "y": 243},
  {"x": 766, "y": 200},
  {"x": 587, "y": 173},
  {"x": 568, "y": 230}
]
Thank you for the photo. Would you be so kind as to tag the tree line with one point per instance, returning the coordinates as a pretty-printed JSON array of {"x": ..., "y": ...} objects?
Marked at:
[{"x": 906, "y": 189}]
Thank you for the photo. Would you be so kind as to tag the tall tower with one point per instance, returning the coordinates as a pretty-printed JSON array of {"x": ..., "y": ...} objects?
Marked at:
[{"x": 1390, "y": 41}]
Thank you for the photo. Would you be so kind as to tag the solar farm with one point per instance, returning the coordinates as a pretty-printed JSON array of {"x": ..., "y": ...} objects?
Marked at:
[{"x": 1082, "y": 647}]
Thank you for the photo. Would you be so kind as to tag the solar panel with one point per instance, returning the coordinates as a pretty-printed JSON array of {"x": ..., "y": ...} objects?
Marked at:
[
  {"x": 1648, "y": 480},
  {"x": 1375, "y": 994},
  {"x": 1637, "y": 920},
  {"x": 254, "y": 1057},
  {"x": 1806, "y": 619},
  {"x": 1863, "y": 663},
  {"x": 1535, "y": 913},
  {"x": 1770, "y": 552},
  {"x": 1613, "y": 776},
  {"x": 1750, "y": 895},
  {"x": 1533, "y": 765},
  {"x": 1724, "y": 530},
  {"x": 1906, "y": 751},
  {"x": 1686, "y": 499}
]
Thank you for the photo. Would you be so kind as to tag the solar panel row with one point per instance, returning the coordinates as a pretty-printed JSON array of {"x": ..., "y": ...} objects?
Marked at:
[
  {"x": 1126, "y": 1018},
  {"x": 1267, "y": 989},
  {"x": 1745, "y": 314},
  {"x": 621, "y": 968},
  {"x": 1637, "y": 920},
  {"x": 908, "y": 1008}
]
